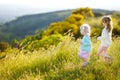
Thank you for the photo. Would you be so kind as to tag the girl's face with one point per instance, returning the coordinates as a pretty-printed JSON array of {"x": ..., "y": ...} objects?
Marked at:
[
  {"x": 104, "y": 23},
  {"x": 82, "y": 31}
]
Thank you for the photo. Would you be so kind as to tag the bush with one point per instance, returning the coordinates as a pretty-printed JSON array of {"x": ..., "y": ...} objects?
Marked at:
[
  {"x": 95, "y": 32},
  {"x": 3, "y": 46},
  {"x": 45, "y": 42},
  {"x": 116, "y": 31}
]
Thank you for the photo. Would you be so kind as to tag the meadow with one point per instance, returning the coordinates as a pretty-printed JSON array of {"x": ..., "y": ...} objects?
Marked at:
[{"x": 60, "y": 62}]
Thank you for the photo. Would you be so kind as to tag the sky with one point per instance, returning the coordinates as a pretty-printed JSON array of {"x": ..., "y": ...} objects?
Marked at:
[{"x": 23, "y": 7}]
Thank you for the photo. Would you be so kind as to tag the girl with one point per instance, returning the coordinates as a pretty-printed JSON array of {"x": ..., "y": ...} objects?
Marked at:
[
  {"x": 105, "y": 37},
  {"x": 85, "y": 44}
]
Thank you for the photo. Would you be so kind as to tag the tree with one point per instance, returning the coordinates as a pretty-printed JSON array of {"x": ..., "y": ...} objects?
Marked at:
[
  {"x": 72, "y": 22},
  {"x": 86, "y": 12}
]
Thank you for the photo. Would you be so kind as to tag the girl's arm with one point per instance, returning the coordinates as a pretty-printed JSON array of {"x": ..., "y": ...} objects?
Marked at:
[{"x": 103, "y": 36}]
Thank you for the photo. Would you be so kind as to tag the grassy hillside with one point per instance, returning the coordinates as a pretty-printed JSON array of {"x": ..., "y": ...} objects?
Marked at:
[{"x": 60, "y": 62}]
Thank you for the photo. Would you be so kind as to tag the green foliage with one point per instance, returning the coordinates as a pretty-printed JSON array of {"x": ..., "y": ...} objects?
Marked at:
[
  {"x": 73, "y": 23},
  {"x": 116, "y": 14},
  {"x": 116, "y": 26},
  {"x": 98, "y": 14},
  {"x": 60, "y": 62},
  {"x": 86, "y": 12},
  {"x": 95, "y": 32},
  {"x": 116, "y": 31},
  {"x": 34, "y": 44},
  {"x": 75, "y": 19},
  {"x": 3, "y": 46},
  {"x": 28, "y": 24},
  {"x": 15, "y": 43}
]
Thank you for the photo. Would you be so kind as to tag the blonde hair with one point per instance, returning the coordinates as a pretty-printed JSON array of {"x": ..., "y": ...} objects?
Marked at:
[
  {"x": 85, "y": 28},
  {"x": 108, "y": 21}
]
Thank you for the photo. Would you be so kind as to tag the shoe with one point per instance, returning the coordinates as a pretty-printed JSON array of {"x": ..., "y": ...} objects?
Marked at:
[{"x": 109, "y": 58}]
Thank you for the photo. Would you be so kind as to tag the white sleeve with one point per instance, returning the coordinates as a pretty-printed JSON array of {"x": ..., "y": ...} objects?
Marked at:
[
  {"x": 99, "y": 38},
  {"x": 103, "y": 36}
]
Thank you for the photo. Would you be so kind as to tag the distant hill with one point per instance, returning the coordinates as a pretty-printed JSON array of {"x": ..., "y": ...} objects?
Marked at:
[
  {"x": 28, "y": 24},
  {"x": 5, "y": 18}
]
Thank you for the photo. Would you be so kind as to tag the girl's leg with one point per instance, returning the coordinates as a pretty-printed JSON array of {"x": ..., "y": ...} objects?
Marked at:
[
  {"x": 86, "y": 59},
  {"x": 101, "y": 50},
  {"x": 85, "y": 56},
  {"x": 105, "y": 55},
  {"x": 85, "y": 62},
  {"x": 104, "y": 51}
]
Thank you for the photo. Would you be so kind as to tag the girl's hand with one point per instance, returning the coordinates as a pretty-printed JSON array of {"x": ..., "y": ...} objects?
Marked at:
[{"x": 99, "y": 38}]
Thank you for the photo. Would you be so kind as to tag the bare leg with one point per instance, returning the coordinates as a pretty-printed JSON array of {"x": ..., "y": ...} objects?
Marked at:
[{"x": 101, "y": 50}]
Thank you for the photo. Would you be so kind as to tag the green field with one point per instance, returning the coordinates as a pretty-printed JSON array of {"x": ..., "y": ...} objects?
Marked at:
[{"x": 60, "y": 62}]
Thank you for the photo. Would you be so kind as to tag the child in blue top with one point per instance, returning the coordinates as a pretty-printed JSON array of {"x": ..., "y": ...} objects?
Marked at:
[{"x": 85, "y": 43}]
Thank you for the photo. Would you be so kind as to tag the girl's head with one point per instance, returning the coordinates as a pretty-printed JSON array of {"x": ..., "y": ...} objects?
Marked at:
[
  {"x": 85, "y": 29},
  {"x": 107, "y": 22}
]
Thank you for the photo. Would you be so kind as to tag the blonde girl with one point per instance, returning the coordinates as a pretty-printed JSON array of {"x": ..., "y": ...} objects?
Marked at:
[{"x": 85, "y": 44}]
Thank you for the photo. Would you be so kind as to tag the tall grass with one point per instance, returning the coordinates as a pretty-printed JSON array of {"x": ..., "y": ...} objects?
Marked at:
[{"x": 60, "y": 62}]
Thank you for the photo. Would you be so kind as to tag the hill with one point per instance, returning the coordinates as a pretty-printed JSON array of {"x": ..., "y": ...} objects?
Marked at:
[{"x": 28, "y": 24}]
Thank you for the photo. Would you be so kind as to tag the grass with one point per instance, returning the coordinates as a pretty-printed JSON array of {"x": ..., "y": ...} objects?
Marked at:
[{"x": 60, "y": 62}]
